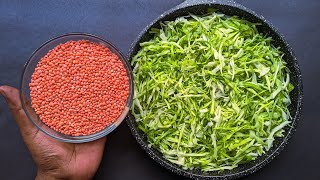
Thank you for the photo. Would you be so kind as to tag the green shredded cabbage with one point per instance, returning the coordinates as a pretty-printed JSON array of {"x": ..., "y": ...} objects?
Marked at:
[{"x": 210, "y": 91}]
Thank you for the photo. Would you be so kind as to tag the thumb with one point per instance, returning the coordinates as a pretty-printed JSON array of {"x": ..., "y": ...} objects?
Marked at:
[{"x": 12, "y": 97}]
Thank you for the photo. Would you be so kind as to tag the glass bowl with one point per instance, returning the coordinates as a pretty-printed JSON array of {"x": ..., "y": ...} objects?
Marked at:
[{"x": 29, "y": 69}]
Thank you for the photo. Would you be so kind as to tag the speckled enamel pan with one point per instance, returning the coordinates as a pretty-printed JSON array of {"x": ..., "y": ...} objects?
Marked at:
[{"x": 229, "y": 8}]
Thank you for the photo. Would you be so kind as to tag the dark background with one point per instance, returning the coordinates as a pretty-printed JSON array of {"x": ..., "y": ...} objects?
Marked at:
[{"x": 25, "y": 25}]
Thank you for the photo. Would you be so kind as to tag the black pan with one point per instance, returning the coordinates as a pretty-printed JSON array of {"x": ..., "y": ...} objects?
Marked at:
[{"x": 229, "y": 8}]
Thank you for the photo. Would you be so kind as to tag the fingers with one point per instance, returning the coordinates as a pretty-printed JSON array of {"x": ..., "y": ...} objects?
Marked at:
[
  {"x": 101, "y": 141},
  {"x": 12, "y": 97}
]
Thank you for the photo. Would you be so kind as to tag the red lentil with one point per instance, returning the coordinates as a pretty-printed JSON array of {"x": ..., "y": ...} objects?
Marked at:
[{"x": 79, "y": 88}]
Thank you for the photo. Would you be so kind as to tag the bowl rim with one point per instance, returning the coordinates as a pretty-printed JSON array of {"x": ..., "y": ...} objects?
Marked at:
[
  {"x": 140, "y": 137},
  {"x": 106, "y": 130}
]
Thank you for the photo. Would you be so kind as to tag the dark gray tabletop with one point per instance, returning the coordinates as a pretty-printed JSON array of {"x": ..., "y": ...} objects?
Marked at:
[{"x": 26, "y": 24}]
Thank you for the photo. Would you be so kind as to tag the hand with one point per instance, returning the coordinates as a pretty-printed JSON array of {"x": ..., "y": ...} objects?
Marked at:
[{"x": 54, "y": 159}]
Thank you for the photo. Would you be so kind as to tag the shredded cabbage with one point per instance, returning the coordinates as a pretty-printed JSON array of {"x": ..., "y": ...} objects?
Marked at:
[{"x": 210, "y": 91}]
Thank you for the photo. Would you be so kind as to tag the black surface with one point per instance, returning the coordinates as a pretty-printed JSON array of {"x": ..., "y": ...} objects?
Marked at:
[{"x": 25, "y": 25}]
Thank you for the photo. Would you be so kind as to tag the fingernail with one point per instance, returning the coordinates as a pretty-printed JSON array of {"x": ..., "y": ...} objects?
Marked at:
[{"x": 2, "y": 92}]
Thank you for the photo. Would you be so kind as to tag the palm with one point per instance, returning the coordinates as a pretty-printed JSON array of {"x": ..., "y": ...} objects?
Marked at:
[
  {"x": 65, "y": 158},
  {"x": 53, "y": 157}
]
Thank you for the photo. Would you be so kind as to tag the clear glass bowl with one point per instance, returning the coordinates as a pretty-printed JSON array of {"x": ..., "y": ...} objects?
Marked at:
[{"x": 26, "y": 79}]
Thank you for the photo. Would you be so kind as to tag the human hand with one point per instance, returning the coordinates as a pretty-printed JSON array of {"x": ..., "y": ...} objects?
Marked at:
[{"x": 54, "y": 159}]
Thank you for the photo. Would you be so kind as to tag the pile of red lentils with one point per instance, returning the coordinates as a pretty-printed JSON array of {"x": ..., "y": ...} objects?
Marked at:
[{"x": 79, "y": 88}]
